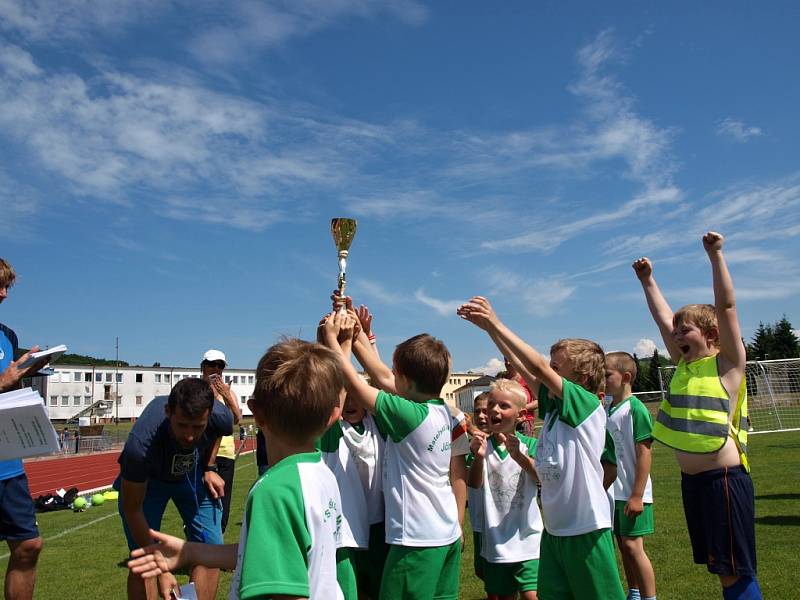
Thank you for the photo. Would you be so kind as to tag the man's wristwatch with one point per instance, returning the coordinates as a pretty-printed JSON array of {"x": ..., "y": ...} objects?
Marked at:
[{"x": 212, "y": 468}]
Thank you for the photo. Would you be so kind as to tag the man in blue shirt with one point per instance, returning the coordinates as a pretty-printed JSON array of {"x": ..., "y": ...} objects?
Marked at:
[
  {"x": 17, "y": 515},
  {"x": 170, "y": 455}
]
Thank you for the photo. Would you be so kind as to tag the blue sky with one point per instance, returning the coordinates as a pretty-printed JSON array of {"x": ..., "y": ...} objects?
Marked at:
[{"x": 168, "y": 170}]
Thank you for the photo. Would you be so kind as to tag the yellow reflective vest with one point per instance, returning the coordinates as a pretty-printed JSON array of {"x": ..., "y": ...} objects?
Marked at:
[{"x": 694, "y": 415}]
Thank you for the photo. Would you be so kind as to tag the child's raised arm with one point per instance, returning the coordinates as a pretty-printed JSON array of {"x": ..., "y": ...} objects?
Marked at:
[
  {"x": 364, "y": 394},
  {"x": 662, "y": 313},
  {"x": 479, "y": 312},
  {"x": 730, "y": 340}
]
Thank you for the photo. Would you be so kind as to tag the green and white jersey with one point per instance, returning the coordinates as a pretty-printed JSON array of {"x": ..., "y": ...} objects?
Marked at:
[
  {"x": 420, "y": 505},
  {"x": 474, "y": 502},
  {"x": 512, "y": 523},
  {"x": 568, "y": 461},
  {"x": 629, "y": 423},
  {"x": 340, "y": 459},
  {"x": 290, "y": 531}
]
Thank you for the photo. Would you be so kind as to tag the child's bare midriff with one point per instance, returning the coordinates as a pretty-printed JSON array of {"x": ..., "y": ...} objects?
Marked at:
[{"x": 692, "y": 464}]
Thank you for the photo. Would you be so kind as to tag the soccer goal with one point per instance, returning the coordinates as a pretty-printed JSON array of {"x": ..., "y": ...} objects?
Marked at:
[{"x": 773, "y": 393}]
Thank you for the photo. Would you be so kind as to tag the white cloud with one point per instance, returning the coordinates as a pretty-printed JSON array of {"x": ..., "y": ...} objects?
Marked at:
[
  {"x": 645, "y": 347},
  {"x": 492, "y": 367},
  {"x": 446, "y": 308},
  {"x": 539, "y": 297},
  {"x": 737, "y": 130},
  {"x": 373, "y": 289}
]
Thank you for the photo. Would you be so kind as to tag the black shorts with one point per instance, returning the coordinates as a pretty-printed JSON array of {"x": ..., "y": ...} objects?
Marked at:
[
  {"x": 17, "y": 515},
  {"x": 720, "y": 512}
]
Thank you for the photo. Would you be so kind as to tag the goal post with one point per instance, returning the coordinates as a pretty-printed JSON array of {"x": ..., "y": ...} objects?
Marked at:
[{"x": 773, "y": 393}]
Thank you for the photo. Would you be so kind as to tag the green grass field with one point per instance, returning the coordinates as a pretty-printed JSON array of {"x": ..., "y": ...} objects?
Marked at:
[{"x": 84, "y": 552}]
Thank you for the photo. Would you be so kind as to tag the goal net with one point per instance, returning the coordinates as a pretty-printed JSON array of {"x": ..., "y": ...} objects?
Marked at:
[{"x": 773, "y": 393}]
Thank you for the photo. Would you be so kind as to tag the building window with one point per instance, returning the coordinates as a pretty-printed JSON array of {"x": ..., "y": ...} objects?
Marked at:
[
  {"x": 64, "y": 400},
  {"x": 244, "y": 400},
  {"x": 119, "y": 400},
  {"x": 76, "y": 401},
  {"x": 87, "y": 400},
  {"x": 235, "y": 379},
  {"x": 138, "y": 378},
  {"x": 250, "y": 379},
  {"x": 138, "y": 400},
  {"x": 119, "y": 377},
  {"x": 87, "y": 377},
  {"x": 78, "y": 377},
  {"x": 166, "y": 377},
  {"x": 108, "y": 377},
  {"x": 98, "y": 377},
  {"x": 53, "y": 400},
  {"x": 158, "y": 377}
]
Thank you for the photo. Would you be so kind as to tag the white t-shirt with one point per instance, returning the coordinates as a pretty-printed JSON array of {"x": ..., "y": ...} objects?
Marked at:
[
  {"x": 290, "y": 532},
  {"x": 367, "y": 450},
  {"x": 629, "y": 423},
  {"x": 420, "y": 504},
  {"x": 475, "y": 503},
  {"x": 568, "y": 461},
  {"x": 512, "y": 523},
  {"x": 339, "y": 459}
]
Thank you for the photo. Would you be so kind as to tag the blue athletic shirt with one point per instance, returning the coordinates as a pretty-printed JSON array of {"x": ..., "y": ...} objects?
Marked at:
[
  {"x": 8, "y": 350},
  {"x": 151, "y": 451}
]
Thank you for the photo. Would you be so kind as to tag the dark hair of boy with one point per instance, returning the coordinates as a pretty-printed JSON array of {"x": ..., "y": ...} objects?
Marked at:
[
  {"x": 297, "y": 387},
  {"x": 7, "y": 274},
  {"x": 482, "y": 397},
  {"x": 587, "y": 360},
  {"x": 622, "y": 362},
  {"x": 424, "y": 360},
  {"x": 193, "y": 396}
]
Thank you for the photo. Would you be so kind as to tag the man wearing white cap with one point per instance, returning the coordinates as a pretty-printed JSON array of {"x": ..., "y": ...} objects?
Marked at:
[{"x": 212, "y": 366}]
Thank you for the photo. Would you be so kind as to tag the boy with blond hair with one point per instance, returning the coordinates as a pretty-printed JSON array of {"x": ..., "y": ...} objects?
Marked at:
[
  {"x": 632, "y": 431},
  {"x": 503, "y": 470},
  {"x": 577, "y": 557},
  {"x": 422, "y": 517},
  {"x": 704, "y": 419},
  {"x": 290, "y": 530}
]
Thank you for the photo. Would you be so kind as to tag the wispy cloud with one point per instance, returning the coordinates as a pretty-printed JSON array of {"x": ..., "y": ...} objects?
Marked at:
[
  {"x": 540, "y": 297},
  {"x": 446, "y": 308},
  {"x": 737, "y": 130},
  {"x": 376, "y": 291}
]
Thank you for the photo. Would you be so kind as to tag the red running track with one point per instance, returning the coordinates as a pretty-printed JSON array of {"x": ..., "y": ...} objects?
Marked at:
[{"x": 84, "y": 471}]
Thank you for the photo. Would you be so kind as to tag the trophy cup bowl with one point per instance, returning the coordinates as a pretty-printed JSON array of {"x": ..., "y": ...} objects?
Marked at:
[{"x": 343, "y": 231}]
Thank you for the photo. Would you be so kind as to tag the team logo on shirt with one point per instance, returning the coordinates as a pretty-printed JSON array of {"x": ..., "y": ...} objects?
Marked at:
[
  {"x": 182, "y": 464},
  {"x": 507, "y": 491},
  {"x": 443, "y": 429}
]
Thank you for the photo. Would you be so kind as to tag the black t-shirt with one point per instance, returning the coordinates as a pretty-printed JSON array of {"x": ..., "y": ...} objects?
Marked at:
[{"x": 151, "y": 451}]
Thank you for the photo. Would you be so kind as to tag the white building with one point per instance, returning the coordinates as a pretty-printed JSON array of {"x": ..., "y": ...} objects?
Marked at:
[
  {"x": 107, "y": 392},
  {"x": 466, "y": 394}
]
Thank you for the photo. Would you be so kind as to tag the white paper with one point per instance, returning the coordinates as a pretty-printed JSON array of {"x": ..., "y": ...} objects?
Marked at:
[
  {"x": 25, "y": 429},
  {"x": 53, "y": 353}
]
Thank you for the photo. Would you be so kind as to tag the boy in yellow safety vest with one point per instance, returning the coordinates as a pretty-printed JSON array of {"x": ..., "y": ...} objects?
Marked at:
[{"x": 704, "y": 419}]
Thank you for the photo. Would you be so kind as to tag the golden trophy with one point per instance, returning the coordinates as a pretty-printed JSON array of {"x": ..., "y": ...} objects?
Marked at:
[{"x": 343, "y": 232}]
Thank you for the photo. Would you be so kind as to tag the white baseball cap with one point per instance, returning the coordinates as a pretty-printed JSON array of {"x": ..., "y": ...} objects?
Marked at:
[{"x": 214, "y": 355}]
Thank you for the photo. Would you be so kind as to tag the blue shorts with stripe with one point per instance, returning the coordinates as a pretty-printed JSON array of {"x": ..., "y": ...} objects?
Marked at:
[{"x": 720, "y": 512}]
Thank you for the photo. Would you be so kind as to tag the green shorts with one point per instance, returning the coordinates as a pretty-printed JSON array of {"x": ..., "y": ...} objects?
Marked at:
[
  {"x": 478, "y": 562},
  {"x": 345, "y": 575},
  {"x": 632, "y": 526},
  {"x": 505, "y": 579},
  {"x": 579, "y": 566},
  {"x": 369, "y": 563},
  {"x": 422, "y": 573}
]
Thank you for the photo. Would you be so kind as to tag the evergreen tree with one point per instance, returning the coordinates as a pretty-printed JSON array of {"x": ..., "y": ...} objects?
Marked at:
[
  {"x": 652, "y": 371},
  {"x": 761, "y": 346},
  {"x": 784, "y": 341},
  {"x": 638, "y": 384}
]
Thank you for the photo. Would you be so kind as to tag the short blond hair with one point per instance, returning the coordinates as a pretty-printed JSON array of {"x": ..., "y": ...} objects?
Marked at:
[
  {"x": 702, "y": 315},
  {"x": 7, "y": 274},
  {"x": 622, "y": 362},
  {"x": 298, "y": 385},
  {"x": 587, "y": 359},
  {"x": 509, "y": 386}
]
